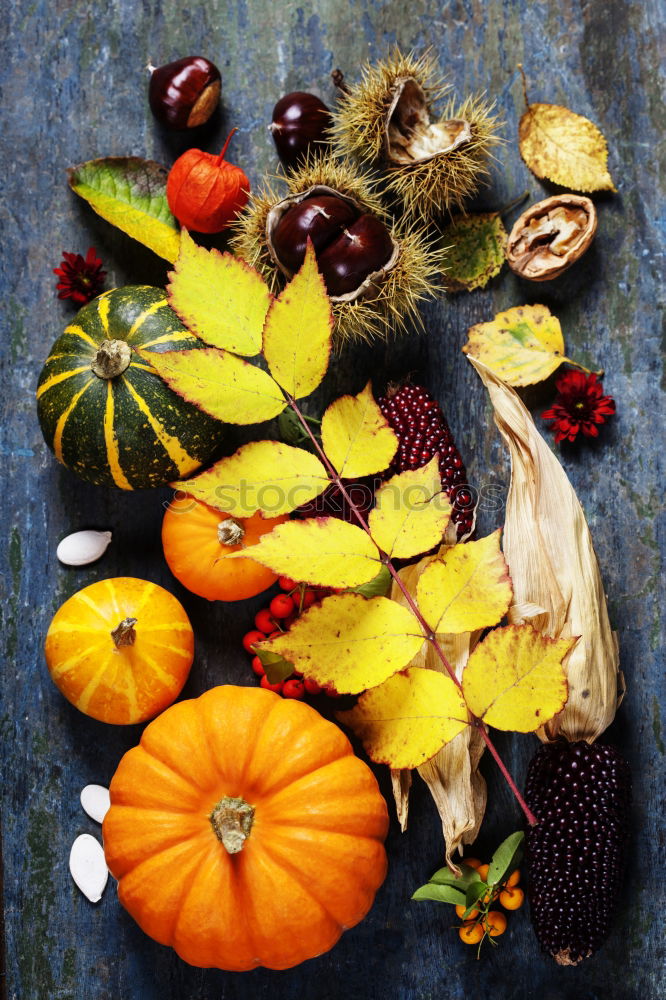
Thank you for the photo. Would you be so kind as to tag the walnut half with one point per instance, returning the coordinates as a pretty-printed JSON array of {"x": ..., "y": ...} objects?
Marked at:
[{"x": 550, "y": 236}]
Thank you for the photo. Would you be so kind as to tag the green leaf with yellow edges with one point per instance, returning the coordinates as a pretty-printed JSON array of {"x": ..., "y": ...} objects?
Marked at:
[
  {"x": 356, "y": 436},
  {"x": 297, "y": 334},
  {"x": 407, "y": 719},
  {"x": 521, "y": 346},
  {"x": 514, "y": 679},
  {"x": 219, "y": 298},
  {"x": 350, "y": 643},
  {"x": 475, "y": 251},
  {"x": 262, "y": 475},
  {"x": 324, "y": 551},
  {"x": 219, "y": 383},
  {"x": 130, "y": 193}
]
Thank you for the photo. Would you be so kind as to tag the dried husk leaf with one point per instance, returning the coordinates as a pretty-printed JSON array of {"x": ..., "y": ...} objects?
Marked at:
[
  {"x": 452, "y": 775},
  {"x": 556, "y": 579},
  {"x": 401, "y": 782}
]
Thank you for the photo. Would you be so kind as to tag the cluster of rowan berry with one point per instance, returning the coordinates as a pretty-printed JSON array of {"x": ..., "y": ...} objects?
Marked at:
[
  {"x": 275, "y": 620},
  {"x": 481, "y": 921}
]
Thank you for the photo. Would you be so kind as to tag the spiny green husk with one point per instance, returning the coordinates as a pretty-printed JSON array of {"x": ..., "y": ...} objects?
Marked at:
[
  {"x": 248, "y": 237},
  {"x": 360, "y": 119},
  {"x": 439, "y": 186},
  {"x": 435, "y": 182},
  {"x": 414, "y": 277}
]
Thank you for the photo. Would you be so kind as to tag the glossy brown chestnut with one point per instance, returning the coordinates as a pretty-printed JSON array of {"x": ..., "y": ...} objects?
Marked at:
[
  {"x": 184, "y": 94},
  {"x": 322, "y": 218},
  {"x": 299, "y": 123},
  {"x": 362, "y": 248}
]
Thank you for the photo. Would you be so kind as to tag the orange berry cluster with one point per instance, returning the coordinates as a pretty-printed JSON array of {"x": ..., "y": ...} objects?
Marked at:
[
  {"x": 485, "y": 922},
  {"x": 275, "y": 620}
]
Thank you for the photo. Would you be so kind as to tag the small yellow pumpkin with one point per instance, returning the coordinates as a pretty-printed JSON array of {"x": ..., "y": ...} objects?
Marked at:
[{"x": 120, "y": 650}]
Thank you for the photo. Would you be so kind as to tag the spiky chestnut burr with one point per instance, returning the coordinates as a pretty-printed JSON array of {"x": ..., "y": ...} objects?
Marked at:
[
  {"x": 432, "y": 166},
  {"x": 576, "y": 853},
  {"x": 422, "y": 431},
  {"x": 388, "y": 300}
]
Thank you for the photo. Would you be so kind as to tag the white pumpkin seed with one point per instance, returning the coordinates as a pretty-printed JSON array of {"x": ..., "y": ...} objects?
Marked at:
[
  {"x": 87, "y": 865},
  {"x": 83, "y": 547},
  {"x": 95, "y": 801}
]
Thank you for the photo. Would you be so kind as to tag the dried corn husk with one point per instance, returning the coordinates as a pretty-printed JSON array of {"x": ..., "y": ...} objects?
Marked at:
[
  {"x": 452, "y": 774},
  {"x": 556, "y": 580}
]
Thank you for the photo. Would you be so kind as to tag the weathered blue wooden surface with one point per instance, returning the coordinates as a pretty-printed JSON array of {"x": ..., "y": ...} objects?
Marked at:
[{"x": 73, "y": 85}]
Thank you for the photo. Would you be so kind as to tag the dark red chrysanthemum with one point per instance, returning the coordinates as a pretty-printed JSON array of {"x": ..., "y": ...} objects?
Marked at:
[
  {"x": 579, "y": 406},
  {"x": 80, "y": 279}
]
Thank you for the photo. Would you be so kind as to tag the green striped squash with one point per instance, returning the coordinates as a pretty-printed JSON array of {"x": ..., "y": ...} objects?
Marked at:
[{"x": 105, "y": 412}]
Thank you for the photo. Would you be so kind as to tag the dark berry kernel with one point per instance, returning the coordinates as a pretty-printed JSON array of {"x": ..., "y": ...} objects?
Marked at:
[{"x": 422, "y": 430}]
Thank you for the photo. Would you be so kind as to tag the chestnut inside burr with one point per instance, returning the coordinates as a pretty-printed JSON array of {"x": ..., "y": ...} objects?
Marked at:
[
  {"x": 321, "y": 218},
  {"x": 354, "y": 249},
  {"x": 410, "y": 136}
]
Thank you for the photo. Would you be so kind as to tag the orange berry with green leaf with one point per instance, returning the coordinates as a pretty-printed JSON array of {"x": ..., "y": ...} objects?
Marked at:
[
  {"x": 462, "y": 910},
  {"x": 494, "y": 923},
  {"x": 470, "y": 933},
  {"x": 512, "y": 898},
  {"x": 513, "y": 879}
]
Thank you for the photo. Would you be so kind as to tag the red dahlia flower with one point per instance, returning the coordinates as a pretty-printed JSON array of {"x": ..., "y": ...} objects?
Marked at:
[
  {"x": 579, "y": 406},
  {"x": 80, "y": 280}
]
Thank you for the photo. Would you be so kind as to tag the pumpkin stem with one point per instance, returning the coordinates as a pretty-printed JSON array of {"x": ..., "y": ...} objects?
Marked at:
[
  {"x": 112, "y": 358},
  {"x": 125, "y": 633},
  {"x": 230, "y": 532},
  {"x": 232, "y": 820}
]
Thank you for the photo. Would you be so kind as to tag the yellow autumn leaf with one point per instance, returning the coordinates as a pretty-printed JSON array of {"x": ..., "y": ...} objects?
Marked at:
[
  {"x": 411, "y": 512},
  {"x": 219, "y": 297},
  {"x": 407, "y": 719},
  {"x": 219, "y": 383},
  {"x": 297, "y": 334},
  {"x": 466, "y": 587},
  {"x": 521, "y": 346},
  {"x": 350, "y": 643},
  {"x": 263, "y": 475},
  {"x": 356, "y": 437},
  {"x": 514, "y": 679},
  {"x": 561, "y": 146},
  {"x": 323, "y": 551}
]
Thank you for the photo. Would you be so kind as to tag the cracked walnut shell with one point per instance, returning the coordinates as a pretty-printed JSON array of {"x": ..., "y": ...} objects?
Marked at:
[{"x": 550, "y": 236}]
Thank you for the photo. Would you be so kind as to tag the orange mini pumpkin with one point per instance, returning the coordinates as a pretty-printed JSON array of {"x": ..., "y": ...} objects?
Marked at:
[
  {"x": 243, "y": 831},
  {"x": 120, "y": 650},
  {"x": 196, "y": 540}
]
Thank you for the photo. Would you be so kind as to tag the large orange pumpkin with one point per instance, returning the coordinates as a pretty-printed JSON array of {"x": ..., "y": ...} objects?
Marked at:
[
  {"x": 196, "y": 540},
  {"x": 243, "y": 831},
  {"x": 120, "y": 650}
]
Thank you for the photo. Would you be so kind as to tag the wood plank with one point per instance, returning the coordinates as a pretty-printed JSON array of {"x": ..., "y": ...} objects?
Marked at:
[{"x": 74, "y": 86}]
